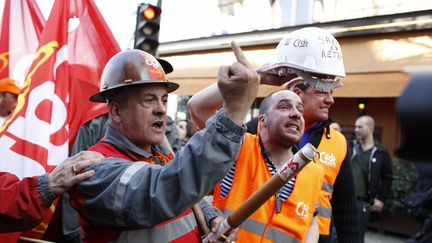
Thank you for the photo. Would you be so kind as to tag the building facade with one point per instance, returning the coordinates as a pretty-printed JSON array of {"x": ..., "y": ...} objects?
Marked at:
[{"x": 379, "y": 51}]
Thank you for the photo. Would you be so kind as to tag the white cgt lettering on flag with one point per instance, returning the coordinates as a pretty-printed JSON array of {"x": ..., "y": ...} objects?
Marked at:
[{"x": 43, "y": 134}]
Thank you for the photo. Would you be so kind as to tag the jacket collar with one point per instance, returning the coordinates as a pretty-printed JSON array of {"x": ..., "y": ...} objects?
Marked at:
[{"x": 123, "y": 143}]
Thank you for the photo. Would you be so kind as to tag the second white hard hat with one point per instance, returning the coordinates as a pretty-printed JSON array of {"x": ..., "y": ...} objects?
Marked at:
[{"x": 311, "y": 50}]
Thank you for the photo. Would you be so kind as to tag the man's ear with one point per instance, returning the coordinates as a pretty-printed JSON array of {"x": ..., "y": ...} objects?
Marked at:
[
  {"x": 262, "y": 118},
  {"x": 115, "y": 111},
  {"x": 297, "y": 90}
]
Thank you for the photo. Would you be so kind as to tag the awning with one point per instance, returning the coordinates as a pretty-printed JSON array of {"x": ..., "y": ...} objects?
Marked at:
[
  {"x": 373, "y": 64},
  {"x": 373, "y": 85},
  {"x": 367, "y": 85}
]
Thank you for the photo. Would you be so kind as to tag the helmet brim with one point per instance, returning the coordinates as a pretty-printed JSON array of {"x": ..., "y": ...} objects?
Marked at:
[
  {"x": 166, "y": 66},
  {"x": 101, "y": 96},
  {"x": 273, "y": 69}
]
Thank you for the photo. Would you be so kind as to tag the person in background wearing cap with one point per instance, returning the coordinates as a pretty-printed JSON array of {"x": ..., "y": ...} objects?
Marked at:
[
  {"x": 9, "y": 92},
  {"x": 309, "y": 60},
  {"x": 148, "y": 201},
  {"x": 291, "y": 214},
  {"x": 372, "y": 169}
]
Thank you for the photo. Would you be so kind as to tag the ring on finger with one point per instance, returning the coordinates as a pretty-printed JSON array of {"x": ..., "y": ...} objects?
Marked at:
[{"x": 75, "y": 169}]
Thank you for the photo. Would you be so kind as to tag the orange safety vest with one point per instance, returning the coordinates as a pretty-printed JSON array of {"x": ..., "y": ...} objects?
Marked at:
[
  {"x": 332, "y": 153},
  {"x": 265, "y": 225},
  {"x": 181, "y": 229}
]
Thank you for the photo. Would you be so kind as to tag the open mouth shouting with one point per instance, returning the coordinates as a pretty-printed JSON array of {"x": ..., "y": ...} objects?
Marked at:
[{"x": 158, "y": 126}]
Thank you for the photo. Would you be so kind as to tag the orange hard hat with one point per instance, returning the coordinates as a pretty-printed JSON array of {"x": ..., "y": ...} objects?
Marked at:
[
  {"x": 130, "y": 68},
  {"x": 8, "y": 85}
]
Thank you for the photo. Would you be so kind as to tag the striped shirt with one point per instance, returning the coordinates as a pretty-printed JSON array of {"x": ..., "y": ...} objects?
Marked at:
[{"x": 283, "y": 193}]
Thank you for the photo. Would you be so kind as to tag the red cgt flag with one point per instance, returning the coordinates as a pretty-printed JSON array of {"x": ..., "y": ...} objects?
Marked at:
[
  {"x": 67, "y": 66},
  {"x": 22, "y": 26},
  {"x": 21, "y": 29},
  {"x": 66, "y": 69}
]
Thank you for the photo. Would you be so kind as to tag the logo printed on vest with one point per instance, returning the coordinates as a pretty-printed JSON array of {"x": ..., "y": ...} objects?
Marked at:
[
  {"x": 328, "y": 159},
  {"x": 302, "y": 209}
]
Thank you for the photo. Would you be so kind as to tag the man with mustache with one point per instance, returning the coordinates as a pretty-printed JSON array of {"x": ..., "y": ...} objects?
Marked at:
[{"x": 133, "y": 195}]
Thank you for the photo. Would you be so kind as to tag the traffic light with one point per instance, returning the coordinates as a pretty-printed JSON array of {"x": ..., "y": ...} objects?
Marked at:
[
  {"x": 147, "y": 28},
  {"x": 362, "y": 104}
]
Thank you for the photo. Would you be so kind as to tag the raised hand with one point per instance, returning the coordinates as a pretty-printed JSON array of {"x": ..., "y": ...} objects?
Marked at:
[{"x": 238, "y": 84}]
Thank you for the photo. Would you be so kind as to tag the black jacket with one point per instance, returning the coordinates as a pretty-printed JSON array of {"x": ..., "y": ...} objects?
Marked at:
[{"x": 380, "y": 173}]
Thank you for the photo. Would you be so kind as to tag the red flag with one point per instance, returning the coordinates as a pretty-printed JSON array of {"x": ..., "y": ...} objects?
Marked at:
[
  {"x": 74, "y": 47},
  {"x": 54, "y": 101},
  {"x": 22, "y": 26}
]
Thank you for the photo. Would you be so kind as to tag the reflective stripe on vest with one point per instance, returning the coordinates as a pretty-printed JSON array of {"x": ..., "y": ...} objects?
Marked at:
[
  {"x": 278, "y": 236},
  {"x": 265, "y": 225},
  {"x": 182, "y": 228},
  {"x": 327, "y": 187},
  {"x": 325, "y": 212},
  {"x": 257, "y": 228},
  {"x": 168, "y": 232},
  {"x": 333, "y": 151}
]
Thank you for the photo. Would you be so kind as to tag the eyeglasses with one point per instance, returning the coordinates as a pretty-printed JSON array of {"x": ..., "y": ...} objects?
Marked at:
[{"x": 321, "y": 84}]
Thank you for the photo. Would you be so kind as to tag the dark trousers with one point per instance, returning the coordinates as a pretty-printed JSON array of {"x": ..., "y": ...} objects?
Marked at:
[{"x": 363, "y": 213}]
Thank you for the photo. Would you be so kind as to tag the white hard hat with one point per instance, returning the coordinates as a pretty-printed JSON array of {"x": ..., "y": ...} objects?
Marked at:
[{"x": 311, "y": 50}]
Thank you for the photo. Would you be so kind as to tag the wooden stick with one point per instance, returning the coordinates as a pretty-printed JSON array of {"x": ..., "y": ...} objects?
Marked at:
[
  {"x": 266, "y": 191},
  {"x": 199, "y": 216}
]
